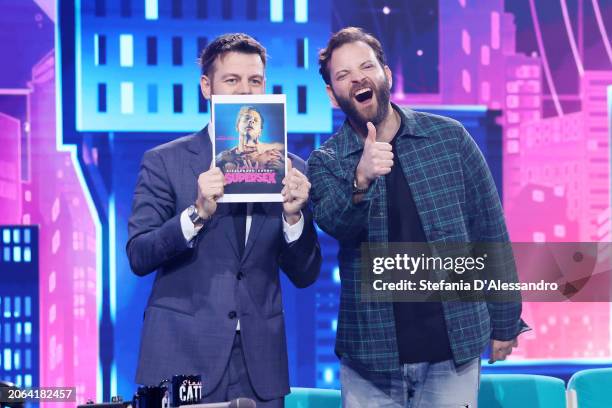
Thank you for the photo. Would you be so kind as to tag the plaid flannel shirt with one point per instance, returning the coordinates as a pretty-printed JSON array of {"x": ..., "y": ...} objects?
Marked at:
[{"x": 456, "y": 200}]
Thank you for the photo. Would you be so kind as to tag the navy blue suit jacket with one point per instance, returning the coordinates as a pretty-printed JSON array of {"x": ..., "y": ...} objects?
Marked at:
[{"x": 199, "y": 292}]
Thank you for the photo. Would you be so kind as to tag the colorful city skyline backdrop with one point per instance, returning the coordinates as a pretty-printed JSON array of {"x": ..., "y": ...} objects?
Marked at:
[{"x": 532, "y": 80}]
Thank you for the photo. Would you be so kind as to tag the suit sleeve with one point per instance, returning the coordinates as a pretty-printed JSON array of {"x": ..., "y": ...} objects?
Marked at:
[
  {"x": 332, "y": 197},
  {"x": 301, "y": 259},
  {"x": 487, "y": 225},
  {"x": 154, "y": 228}
]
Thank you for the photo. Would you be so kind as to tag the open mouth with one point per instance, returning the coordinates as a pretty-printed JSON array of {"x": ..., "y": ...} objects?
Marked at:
[{"x": 363, "y": 94}]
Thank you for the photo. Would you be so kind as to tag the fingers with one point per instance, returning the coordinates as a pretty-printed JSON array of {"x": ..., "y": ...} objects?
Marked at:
[
  {"x": 213, "y": 193},
  {"x": 211, "y": 183},
  {"x": 384, "y": 146},
  {"x": 501, "y": 349},
  {"x": 371, "y": 133}
]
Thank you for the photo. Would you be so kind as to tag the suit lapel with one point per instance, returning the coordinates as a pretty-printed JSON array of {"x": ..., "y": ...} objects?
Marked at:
[
  {"x": 201, "y": 148},
  {"x": 200, "y": 162}
]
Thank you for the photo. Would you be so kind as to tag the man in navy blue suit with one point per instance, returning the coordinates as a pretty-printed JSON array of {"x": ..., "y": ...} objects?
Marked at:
[{"x": 215, "y": 308}]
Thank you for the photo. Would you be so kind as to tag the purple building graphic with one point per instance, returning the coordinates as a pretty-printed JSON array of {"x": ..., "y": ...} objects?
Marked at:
[
  {"x": 52, "y": 197},
  {"x": 10, "y": 165}
]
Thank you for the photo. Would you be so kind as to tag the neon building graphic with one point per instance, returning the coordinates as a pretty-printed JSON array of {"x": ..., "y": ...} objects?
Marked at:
[
  {"x": 131, "y": 78},
  {"x": 136, "y": 60},
  {"x": 19, "y": 302},
  {"x": 58, "y": 315}
]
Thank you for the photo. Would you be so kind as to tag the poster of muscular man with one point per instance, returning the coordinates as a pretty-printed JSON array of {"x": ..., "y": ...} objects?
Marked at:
[{"x": 249, "y": 135}]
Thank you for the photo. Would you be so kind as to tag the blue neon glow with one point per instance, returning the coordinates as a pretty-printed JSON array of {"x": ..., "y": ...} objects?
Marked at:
[
  {"x": 7, "y": 254},
  {"x": 328, "y": 375},
  {"x": 7, "y": 360},
  {"x": 151, "y": 10},
  {"x": 27, "y": 306},
  {"x": 28, "y": 359},
  {"x": 77, "y": 71},
  {"x": 152, "y": 98},
  {"x": 112, "y": 236},
  {"x": 276, "y": 11},
  {"x": 301, "y": 11},
  {"x": 334, "y": 324},
  {"x": 17, "y": 360},
  {"x": 7, "y": 306},
  {"x": 28, "y": 381},
  {"x": 7, "y": 333},
  {"x": 17, "y": 308},
  {"x": 306, "y": 53},
  {"x": 17, "y": 332},
  {"x": 336, "y": 275},
  {"x": 18, "y": 379},
  {"x": 27, "y": 254},
  {"x": 26, "y": 236},
  {"x": 16, "y": 236},
  {"x": 17, "y": 254},
  {"x": 96, "y": 49},
  {"x": 113, "y": 379},
  {"x": 99, "y": 377},
  {"x": 6, "y": 236},
  {"x": 127, "y": 98},
  {"x": 27, "y": 329},
  {"x": 126, "y": 50}
]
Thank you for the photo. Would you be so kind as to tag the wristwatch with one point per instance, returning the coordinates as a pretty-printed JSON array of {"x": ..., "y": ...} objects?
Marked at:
[
  {"x": 195, "y": 218},
  {"x": 357, "y": 190}
]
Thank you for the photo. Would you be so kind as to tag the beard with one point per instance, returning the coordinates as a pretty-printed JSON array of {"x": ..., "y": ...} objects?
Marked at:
[{"x": 381, "y": 90}]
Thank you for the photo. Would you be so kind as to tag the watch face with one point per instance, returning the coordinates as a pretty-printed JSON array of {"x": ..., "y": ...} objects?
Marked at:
[{"x": 193, "y": 214}]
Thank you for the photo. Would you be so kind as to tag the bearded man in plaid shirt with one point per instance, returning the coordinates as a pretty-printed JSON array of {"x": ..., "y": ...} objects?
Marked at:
[{"x": 390, "y": 174}]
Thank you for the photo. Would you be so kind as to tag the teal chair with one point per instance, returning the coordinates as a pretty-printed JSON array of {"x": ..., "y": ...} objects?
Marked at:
[
  {"x": 313, "y": 398},
  {"x": 591, "y": 388},
  {"x": 521, "y": 391}
]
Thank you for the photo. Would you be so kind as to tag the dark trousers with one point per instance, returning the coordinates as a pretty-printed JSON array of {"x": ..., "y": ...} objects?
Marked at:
[{"x": 235, "y": 382}]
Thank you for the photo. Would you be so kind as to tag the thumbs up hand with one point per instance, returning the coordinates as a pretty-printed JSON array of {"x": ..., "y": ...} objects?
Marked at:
[{"x": 376, "y": 159}]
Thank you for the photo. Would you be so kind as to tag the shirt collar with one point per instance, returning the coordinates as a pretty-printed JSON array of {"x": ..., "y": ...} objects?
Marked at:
[{"x": 408, "y": 127}]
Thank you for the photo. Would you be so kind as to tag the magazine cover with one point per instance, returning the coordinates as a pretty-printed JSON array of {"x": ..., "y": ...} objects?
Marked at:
[{"x": 249, "y": 145}]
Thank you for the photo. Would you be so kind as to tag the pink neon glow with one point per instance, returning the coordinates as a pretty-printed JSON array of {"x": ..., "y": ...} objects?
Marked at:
[
  {"x": 55, "y": 201},
  {"x": 485, "y": 55},
  {"x": 10, "y": 165},
  {"x": 602, "y": 29},
  {"x": 485, "y": 91},
  {"x": 48, "y": 6},
  {"x": 571, "y": 37},
  {"x": 495, "y": 30},
  {"x": 465, "y": 42},
  {"x": 466, "y": 80},
  {"x": 547, "y": 73}
]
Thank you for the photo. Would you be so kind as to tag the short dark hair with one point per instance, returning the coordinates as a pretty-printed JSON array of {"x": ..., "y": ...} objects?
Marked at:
[
  {"x": 345, "y": 36},
  {"x": 237, "y": 42}
]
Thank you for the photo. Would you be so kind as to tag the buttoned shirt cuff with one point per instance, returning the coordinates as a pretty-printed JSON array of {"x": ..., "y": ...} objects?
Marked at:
[
  {"x": 293, "y": 232},
  {"x": 189, "y": 230}
]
